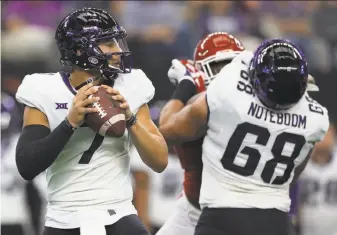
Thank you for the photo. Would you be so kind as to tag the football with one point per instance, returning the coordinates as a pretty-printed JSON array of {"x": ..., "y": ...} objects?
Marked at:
[{"x": 110, "y": 118}]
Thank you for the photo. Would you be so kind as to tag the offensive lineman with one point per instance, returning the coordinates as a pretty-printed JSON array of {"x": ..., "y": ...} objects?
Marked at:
[
  {"x": 261, "y": 127},
  {"x": 212, "y": 53},
  {"x": 89, "y": 189}
]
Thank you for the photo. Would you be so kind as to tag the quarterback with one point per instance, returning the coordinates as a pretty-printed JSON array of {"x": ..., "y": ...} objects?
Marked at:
[
  {"x": 89, "y": 187},
  {"x": 261, "y": 126},
  {"x": 211, "y": 54}
]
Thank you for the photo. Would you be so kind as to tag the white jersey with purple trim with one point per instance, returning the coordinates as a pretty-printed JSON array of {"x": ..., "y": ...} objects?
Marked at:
[
  {"x": 91, "y": 172},
  {"x": 250, "y": 151}
]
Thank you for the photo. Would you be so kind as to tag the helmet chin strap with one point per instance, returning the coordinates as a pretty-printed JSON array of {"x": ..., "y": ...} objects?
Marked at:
[
  {"x": 93, "y": 79},
  {"x": 90, "y": 80}
]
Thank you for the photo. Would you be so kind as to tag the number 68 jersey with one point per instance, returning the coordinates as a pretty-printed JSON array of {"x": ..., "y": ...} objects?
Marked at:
[
  {"x": 250, "y": 152},
  {"x": 92, "y": 171}
]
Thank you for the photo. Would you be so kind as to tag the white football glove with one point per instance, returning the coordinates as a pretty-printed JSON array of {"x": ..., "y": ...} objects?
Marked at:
[
  {"x": 184, "y": 69},
  {"x": 180, "y": 70}
]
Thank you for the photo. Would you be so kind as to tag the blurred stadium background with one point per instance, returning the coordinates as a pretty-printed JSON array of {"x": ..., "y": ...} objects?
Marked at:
[{"x": 159, "y": 31}]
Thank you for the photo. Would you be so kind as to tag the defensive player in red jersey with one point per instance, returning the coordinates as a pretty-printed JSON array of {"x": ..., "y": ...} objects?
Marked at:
[{"x": 212, "y": 53}]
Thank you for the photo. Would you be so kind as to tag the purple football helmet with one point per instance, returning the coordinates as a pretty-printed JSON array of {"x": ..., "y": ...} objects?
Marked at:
[
  {"x": 78, "y": 37},
  {"x": 279, "y": 74}
]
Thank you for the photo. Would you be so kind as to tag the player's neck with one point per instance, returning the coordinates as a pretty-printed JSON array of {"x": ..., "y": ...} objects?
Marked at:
[{"x": 78, "y": 77}]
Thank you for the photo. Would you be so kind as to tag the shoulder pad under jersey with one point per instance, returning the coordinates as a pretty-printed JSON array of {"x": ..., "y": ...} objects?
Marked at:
[
  {"x": 137, "y": 89},
  {"x": 244, "y": 57},
  {"x": 33, "y": 91}
]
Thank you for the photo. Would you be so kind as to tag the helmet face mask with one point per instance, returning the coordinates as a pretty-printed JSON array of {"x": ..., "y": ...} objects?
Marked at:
[
  {"x": 84, "y": 37},
  {"x": 279, "y": 74}
]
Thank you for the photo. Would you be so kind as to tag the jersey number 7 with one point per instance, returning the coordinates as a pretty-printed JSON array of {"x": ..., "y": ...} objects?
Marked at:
[
  {"x": 87, "y": 155},
  {"x": 254, "y": 155}
]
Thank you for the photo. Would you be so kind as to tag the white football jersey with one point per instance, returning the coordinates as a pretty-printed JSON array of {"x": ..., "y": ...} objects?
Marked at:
[
  {"x": 13, "y": 201},
  {"x": 250, "y": 152},
  {"x": 91, "y": 172},
  {"x": 165, "y": 187},
  {"x": 318, "y": 190}
]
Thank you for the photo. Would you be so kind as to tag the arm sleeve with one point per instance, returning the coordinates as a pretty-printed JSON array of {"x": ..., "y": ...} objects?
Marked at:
[{"x": 38, "y": 148}]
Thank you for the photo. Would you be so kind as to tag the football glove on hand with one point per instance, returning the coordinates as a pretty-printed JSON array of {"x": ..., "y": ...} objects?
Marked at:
[{"x": 184, "y": 69}]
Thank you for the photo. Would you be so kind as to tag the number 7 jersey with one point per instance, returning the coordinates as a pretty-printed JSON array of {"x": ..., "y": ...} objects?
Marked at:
[
  {"x": 250, "y": 152},
  {"x": 92, "y": 171}
]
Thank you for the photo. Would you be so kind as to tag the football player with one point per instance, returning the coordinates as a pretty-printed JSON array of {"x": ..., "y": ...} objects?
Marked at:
[
  {"x": 260, "y": 125},
  {"x": 212, "y": 53},
  {"x": 89, "y": 188},
  {"x": 318, "y": 189}
]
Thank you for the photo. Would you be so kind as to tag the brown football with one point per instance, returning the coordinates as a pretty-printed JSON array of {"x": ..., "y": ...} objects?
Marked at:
[{"x": 110, "y": 118}]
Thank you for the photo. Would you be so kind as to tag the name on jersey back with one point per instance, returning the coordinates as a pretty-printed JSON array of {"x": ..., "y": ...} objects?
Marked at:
[{"x": 280, "y": 118}]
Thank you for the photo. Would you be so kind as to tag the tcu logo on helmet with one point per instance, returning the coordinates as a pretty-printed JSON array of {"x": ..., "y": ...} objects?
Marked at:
[
  {"x": 85, "y": 29},
  {"x": 93, "y": 60}
]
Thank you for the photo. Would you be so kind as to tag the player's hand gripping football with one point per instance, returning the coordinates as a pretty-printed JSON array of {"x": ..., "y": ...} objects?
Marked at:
[
  {"x": 118, "y": 97},
  {"x": 184, "y": 69},
  {"x": 79, "y": 107}
]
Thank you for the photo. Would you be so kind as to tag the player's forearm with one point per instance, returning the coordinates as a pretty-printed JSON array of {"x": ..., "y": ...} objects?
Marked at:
[
  {"x": 171, "y": 108},
  {"x": 180, "y": 127},
  {"x": 177, "y": 122},
  {"x": 38, "y": 148},
  {"x": 152, "y": 148},
  {"x": 167, "y": 123},
  {"x": 177, "y": 130}
]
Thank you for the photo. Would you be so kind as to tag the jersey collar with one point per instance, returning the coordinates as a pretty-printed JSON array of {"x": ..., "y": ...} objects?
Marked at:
[{"x": 65, "y": 77}]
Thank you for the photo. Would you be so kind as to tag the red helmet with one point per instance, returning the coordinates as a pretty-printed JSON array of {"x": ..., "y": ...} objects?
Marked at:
[{"x": 214, "y": 51}]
